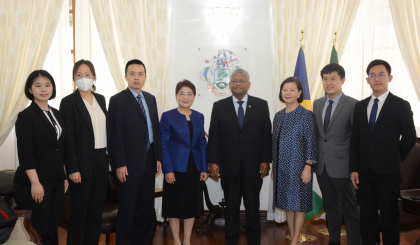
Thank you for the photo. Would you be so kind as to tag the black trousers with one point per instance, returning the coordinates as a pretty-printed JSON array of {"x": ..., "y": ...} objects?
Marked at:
[
  {"x": 87, "y": 202},
  {"x": 45, "y": 215},
  {"x": 248, "y": 188},
  {"x": 379, "y": 192},
  {"x": 339, "y": 199},
  {"x": 136, "y": 214}
]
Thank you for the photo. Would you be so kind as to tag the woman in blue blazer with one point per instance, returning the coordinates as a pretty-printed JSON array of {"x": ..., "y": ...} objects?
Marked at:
[{"x": 184, "y": 162}]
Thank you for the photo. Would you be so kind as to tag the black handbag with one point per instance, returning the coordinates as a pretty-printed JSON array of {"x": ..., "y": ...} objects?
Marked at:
[{"x": 7, "y": 221}]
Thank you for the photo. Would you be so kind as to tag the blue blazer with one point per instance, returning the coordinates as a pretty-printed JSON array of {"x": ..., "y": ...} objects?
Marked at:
[{"x": 175, "y": 141}]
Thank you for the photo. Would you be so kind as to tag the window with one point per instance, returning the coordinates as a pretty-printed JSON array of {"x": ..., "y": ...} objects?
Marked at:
[{"x": 373, "y": 37}]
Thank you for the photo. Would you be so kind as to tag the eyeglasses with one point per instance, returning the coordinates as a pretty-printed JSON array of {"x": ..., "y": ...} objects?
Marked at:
[
  {"x": 240, "y": 82},
  {"x": 381, "y": 75}
]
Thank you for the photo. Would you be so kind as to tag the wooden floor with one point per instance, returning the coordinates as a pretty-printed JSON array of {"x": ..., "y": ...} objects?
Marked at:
[{"x": 272, "y": 234}]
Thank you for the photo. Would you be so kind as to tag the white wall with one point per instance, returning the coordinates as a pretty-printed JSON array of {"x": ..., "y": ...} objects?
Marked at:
[{"x": 192, "y": 30}]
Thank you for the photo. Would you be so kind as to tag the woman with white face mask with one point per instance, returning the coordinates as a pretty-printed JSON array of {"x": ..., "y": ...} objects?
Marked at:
[{"x": 86, "y": 119}]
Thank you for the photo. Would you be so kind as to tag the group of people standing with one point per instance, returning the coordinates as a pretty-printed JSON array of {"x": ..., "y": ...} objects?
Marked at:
[{"x": 349, "y": 145}]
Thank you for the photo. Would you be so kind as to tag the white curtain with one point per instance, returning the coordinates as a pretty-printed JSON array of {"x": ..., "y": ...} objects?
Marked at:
[
  {"x": 138, "y": 29},
  {"x": 373, "y": 36},
  {"x": 27, "y": 30},
  {"x": 84, "y": 27},
  {"x": 319, "y": 20},
  {"x": 406, "y": 19},
  {"x": 89, "y": 47},
  {"x": 59, "y": 61}
]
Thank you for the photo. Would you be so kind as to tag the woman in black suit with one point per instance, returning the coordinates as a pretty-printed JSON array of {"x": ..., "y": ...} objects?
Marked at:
[
  {"x": 85, "y": 117},
  {"x": 40, "y": 180}
]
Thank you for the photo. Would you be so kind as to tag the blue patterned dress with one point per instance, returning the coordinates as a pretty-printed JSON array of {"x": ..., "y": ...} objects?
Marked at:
[{"x": 294, "y": 143}]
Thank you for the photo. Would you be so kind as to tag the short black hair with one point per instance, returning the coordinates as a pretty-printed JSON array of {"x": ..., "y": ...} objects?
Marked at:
[
  {"x": 135, "y": 62},
  {"x": 378, "y": 62},
  {"x": 330, "y": 68},
  {"x": 185, "y": 83},
  {"x": 32, "y": 77},
  {"x": 298, "y": 83}
]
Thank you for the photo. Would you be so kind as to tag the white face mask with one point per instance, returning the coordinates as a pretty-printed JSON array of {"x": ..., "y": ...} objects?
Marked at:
[{"x": 84, "y": 84}]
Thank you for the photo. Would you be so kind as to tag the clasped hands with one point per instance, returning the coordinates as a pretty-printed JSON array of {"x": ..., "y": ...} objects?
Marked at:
[
  {"x": 170, "y": 177},
  {"x": 214, "y": 170}
]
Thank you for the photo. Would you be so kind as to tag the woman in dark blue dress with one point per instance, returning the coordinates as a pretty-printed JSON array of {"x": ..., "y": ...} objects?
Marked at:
[
  {"x": 295, "y": 151},
  {"x": 184, "y": 162}
]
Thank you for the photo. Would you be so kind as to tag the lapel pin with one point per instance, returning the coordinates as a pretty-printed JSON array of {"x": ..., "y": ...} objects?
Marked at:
[{"x": 249, "y": 106}]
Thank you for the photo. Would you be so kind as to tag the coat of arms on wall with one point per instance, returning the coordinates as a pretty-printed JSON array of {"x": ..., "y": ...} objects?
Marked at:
[{"x": 217, "y": 71}]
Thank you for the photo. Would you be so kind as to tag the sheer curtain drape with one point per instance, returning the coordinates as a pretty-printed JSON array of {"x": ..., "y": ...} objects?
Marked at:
[
  {"x": 88, "y": 47},
  {"x": 27, "y": 29},
  {"x": 406, "y": 19},
  {"x": 373, "y": 36},
  {"x": 319, "y": 20},
  {"x": 138, "y": 29}
]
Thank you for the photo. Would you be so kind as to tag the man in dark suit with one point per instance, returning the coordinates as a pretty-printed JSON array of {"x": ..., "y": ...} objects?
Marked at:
[
  {"x": 240, "y": 147},
  {"x": 136, "y": 155},
  {"x": 334, "y": 115},
  {"x": 383, "y": 134}
]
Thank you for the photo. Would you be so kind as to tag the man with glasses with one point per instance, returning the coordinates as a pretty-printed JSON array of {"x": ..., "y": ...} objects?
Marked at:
[
  {"x": 383, "y": 134},
  {"x": 240, "y": 147}
]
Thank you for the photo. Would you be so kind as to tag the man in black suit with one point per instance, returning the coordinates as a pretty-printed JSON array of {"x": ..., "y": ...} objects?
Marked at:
[
  {"x": 240, "y": 147},
  {"x": 136, "y": 156},
  {"x": 383, "y": 134}
]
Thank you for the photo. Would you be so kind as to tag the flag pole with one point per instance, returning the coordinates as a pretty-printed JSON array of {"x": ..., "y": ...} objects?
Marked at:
[
  {"x": 302, "y": 43},
  {"x": 302, "y": 237}
]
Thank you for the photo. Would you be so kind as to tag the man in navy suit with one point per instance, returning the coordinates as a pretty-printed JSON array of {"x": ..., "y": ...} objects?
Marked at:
[
  {"x": 383, "y": 134},
  {"x": 240, "y": 147},
  {"x": 136, "y": 155}
]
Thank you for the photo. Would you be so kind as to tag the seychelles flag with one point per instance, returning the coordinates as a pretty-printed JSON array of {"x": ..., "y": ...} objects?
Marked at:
[{"x": 300, "y": 72}]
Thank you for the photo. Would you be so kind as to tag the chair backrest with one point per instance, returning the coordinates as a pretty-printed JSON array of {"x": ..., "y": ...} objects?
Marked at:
[{"x": 410, "y": 169}]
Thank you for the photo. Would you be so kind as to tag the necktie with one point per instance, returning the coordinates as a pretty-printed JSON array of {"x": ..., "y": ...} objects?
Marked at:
[
  {"x": 241, "y": 114},
  {"x": 373, "y": 112},
  {"x": 139, "y": 99},
  {"x": 327, "y": 117}
]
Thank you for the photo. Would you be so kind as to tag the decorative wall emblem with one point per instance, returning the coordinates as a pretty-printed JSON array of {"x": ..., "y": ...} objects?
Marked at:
[{"x": 217, "y": 71}]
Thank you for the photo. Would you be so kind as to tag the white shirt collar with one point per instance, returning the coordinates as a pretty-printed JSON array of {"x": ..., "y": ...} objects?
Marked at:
[
  {"x": 381, "y": 98},
  {"x": 244, "y": 99}
]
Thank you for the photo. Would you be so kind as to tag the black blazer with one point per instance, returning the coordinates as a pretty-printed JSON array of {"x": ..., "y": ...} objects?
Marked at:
[
  {"x": 129, "y": 129},
  {"x": 38, "y": 147},
  {"x": 393, "y": 136},
  {"x": 80, "y": 140},
  {"x": 229, "y": 145}
]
